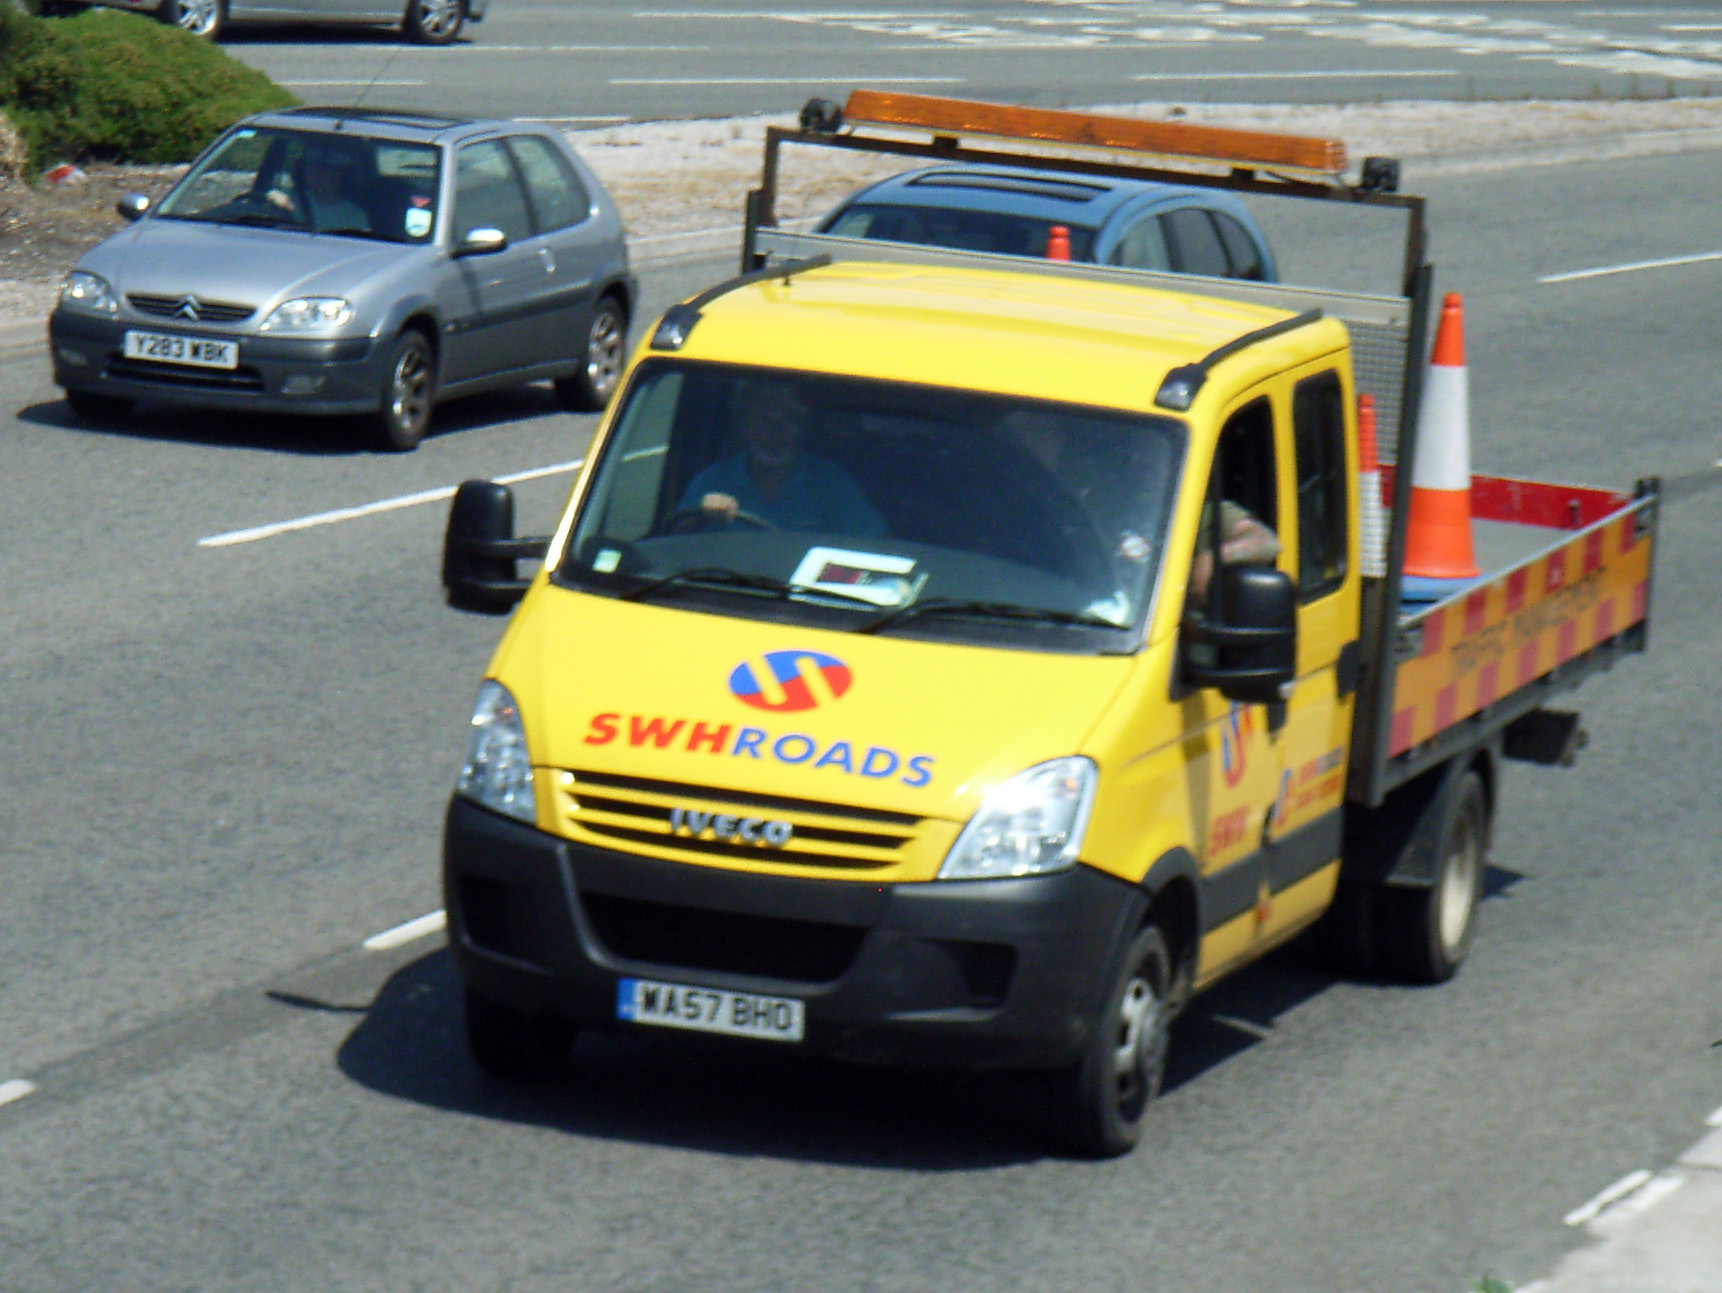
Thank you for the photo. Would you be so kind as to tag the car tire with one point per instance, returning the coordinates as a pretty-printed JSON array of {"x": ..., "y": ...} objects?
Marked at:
[
  {"x": 87, "y": 406},
  {"x": 1101, "y": 1102},
  {"x": 203, "y": 18},
  {"x": 408, "y": 395},
  {"x": 605, "y": 355},
  {"x": 434, "y": 22},
  {"x": 513, "y": 1045},
  {"x": 1421, "y": 935}
]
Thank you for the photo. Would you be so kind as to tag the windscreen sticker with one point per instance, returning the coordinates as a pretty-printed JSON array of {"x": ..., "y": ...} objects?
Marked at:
[{"x": 418, "y": 223}]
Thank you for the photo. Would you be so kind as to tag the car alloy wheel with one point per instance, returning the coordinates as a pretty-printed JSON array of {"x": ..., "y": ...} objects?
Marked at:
[
  {"x": 435, "y": 22},
  {"x": 407, "y": 394},
  {"x": 590, "y": 389},
  {"x": 199, "y": 17}
]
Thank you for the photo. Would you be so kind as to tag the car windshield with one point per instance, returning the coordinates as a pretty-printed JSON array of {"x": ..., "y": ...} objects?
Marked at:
[
  {"x": 879, "y": 506},
  {"x": 994, "y": 231},
  {"x": 315, "y": 182}
]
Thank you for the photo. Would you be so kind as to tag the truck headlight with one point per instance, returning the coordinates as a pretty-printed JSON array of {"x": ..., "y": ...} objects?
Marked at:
[
  {"x": 1031, "y": 825},
  {"x": 497, "y": 772},
  {"x": 308, "y": 314},
  {"x": 87, "y": 293}
]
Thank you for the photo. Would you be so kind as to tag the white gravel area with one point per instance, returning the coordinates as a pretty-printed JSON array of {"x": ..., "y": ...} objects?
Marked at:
[{"x": 681, "y": 184}]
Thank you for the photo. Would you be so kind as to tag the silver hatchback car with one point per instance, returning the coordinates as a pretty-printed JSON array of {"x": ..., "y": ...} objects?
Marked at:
[
  {"x": 340, "y": 261},
  {"x": 430, "y": 22}
]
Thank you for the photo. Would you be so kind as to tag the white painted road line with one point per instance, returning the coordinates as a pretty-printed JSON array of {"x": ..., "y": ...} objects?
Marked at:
[
  {"x": 828, "y": 79},
  {"x": 235, "y": 537},
  {"x": 1715, "y": 1119},
  {"x": 14, "y": 1090},
  {"x": 430, "y": 923},
  {"x": 301, "y": 85},
  {"x": 1631, "y": 268},
  {"x": 1641, "y": 1200},
  {"x": 1369, "y": 74},
  {"x": 1619, "y": 1190}
]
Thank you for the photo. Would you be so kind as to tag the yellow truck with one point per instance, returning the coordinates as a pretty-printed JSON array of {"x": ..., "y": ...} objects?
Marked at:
[{"x": 886, "y": 689}]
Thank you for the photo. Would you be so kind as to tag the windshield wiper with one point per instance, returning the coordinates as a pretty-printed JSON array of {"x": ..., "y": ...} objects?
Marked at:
[
  {"x": 959, "y": 608},
  {"x": 741, "y": 580}
]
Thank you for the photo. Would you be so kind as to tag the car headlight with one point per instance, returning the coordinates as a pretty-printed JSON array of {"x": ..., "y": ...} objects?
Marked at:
[
  {"x": 88, "y": 293},
  {"x": 497, "y": 772},
  {"x": 308, "y": 314},
  {"x": 1031, "y": 825}
]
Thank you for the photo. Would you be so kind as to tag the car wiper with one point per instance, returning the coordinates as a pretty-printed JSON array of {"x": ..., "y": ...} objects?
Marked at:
[
  {"x": 723, "y": 577},
  {"x": 958, "y": 608}
]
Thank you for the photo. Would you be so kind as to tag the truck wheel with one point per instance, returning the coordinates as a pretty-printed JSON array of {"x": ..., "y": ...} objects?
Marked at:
[
  {"x": 1101, "y": 1101},
  {"x": 1422, "y": 935},
  {"x": 88, "y": 406},
  {"x": 606, "y": 350},
  {"x": 511, "y": 1044},
  {"x": 409, "y": 391}
]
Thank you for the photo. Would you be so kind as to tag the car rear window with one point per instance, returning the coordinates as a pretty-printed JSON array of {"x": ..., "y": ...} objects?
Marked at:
[{"x": 991, "y": 231}]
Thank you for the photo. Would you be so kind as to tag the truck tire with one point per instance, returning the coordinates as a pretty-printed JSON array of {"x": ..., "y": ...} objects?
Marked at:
[
  {"x": 511, "y": 1044},
  {"x": 1101, "y": 1101},
  {"x": 1421, "y": 935}
]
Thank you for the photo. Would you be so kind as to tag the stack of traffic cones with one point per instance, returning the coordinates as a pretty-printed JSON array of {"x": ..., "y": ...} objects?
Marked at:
[
  {"x": 1372, "y": 514},
  {"x": 1439, "y": 557}
]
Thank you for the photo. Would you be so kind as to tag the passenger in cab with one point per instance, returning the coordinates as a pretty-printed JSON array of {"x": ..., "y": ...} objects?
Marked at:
[{"x": 771, "y": 480}]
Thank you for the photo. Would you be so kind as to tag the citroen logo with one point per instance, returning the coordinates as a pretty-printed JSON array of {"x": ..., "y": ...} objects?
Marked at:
[{"x": 187, "y": 308}]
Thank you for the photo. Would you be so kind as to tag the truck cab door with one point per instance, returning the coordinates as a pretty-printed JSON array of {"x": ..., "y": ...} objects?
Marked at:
[
  {"x": 1231, "y": 748},
  {"x": 1303, "y": 826}
]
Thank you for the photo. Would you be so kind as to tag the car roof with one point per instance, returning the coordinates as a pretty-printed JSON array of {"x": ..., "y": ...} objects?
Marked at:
[
  {"x": 1060, "y": 196},
  {"x": 385, "y": 123}
]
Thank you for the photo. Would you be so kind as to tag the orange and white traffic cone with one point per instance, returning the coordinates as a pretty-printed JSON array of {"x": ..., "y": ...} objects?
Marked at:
[
  {"x": 1058, "y": 242},
  {"x": 1372, "y": 521},
  {"x": 1438, "y": 531}
]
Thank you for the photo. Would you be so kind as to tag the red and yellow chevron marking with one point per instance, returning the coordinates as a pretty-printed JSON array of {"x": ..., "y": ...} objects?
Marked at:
[{"x": 1510, "y": 631}]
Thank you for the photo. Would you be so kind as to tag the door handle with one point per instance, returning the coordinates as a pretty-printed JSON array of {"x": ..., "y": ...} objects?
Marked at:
[{"x": 548, "y": 259}]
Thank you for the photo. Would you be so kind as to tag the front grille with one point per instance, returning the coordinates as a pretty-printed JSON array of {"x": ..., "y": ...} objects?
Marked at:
[
  {"x": 620, "y": 810},
  {"x": 242, "y": 378},
  {"x": 173, "y": 307},
  {"x": 686, "y": 938}
]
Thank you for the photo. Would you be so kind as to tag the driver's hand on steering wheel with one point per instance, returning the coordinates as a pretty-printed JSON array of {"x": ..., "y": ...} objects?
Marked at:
[
  {"x": 720, "y": 507},
  {"x": 277, "y": 198}
]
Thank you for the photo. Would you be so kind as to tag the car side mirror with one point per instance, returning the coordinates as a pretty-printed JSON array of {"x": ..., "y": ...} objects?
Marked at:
[
  {"x": 482, "y": 242},
  {"x": 133, "y": 206},
  {"x": 1249, "y": 636},
  {"x": 479, "y": 550}
]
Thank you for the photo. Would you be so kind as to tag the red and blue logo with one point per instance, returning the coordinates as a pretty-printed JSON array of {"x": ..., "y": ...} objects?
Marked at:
[{"x": 783, "y": 684}]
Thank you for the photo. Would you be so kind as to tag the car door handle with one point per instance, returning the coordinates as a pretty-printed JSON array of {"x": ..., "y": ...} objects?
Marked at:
[{"x": 548, "y": 259}]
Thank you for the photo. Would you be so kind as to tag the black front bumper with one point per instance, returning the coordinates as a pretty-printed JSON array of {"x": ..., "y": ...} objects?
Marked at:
[
  {"x": 970, "y": 974},
  {"x": 275, "y": 374}
]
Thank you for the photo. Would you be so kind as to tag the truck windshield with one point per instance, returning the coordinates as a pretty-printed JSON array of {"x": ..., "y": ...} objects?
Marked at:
[{"x": 878, "y": 506}]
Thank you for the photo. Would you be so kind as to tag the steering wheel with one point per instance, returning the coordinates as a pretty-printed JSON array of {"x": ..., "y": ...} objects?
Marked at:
[
  {"x": 678, "y": 520},
  {"x": 261, "y": 203}
]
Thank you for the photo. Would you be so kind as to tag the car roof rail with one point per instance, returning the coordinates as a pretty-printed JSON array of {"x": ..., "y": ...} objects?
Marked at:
[
  {"x": 392, "y": 116},
  {"x": 678, "y": 321}
]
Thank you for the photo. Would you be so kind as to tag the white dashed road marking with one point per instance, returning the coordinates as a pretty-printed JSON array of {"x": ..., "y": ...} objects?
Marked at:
[
  {"x": 16, "y": 1089},
  {"x": 431, "y": 923},
  {"x": 234, "y": 537},
  {"x": 1619, "y": 1190},
  {"x": 1631, "y": 268}
]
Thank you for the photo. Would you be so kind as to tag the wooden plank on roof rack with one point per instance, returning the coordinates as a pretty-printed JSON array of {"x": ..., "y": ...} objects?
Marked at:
[{"x": 1053, "y": 125}]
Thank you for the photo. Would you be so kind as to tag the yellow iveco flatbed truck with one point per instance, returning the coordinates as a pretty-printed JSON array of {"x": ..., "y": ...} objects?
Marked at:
[{"x": 886, "y": 688}]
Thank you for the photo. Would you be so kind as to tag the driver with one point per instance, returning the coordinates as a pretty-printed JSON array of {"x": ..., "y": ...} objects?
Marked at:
[
  {"x": 772, "y": 479},
  {"x": 327, "y": 199}
]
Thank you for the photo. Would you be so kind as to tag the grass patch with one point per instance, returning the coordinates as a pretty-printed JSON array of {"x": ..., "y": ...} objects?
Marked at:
[{"x": 112, "y": 86}]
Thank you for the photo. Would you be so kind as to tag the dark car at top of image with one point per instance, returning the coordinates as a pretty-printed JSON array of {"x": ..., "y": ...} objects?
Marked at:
[
  {"x": 351, "y": 261},
  {"x": 429, "y": 22},
  {"x": 1142, "y": 224}
]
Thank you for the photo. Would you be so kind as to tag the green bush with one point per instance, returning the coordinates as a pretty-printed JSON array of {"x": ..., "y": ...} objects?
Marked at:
[{"x": 112, "y": 86}]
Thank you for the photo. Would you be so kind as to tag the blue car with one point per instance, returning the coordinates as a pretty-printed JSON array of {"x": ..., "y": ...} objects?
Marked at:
[{"x": 1142, "y": 224}]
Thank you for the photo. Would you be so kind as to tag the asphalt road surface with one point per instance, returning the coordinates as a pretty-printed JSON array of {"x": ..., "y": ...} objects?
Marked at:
[
  {"x": 603, "y": 61},
  {"x": 225, "y": 767}
]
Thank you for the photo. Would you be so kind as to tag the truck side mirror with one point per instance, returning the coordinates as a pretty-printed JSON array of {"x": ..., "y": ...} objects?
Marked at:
[
  {"x": 1251, "y": 633},
  {"x": 479, "y": 550}
]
